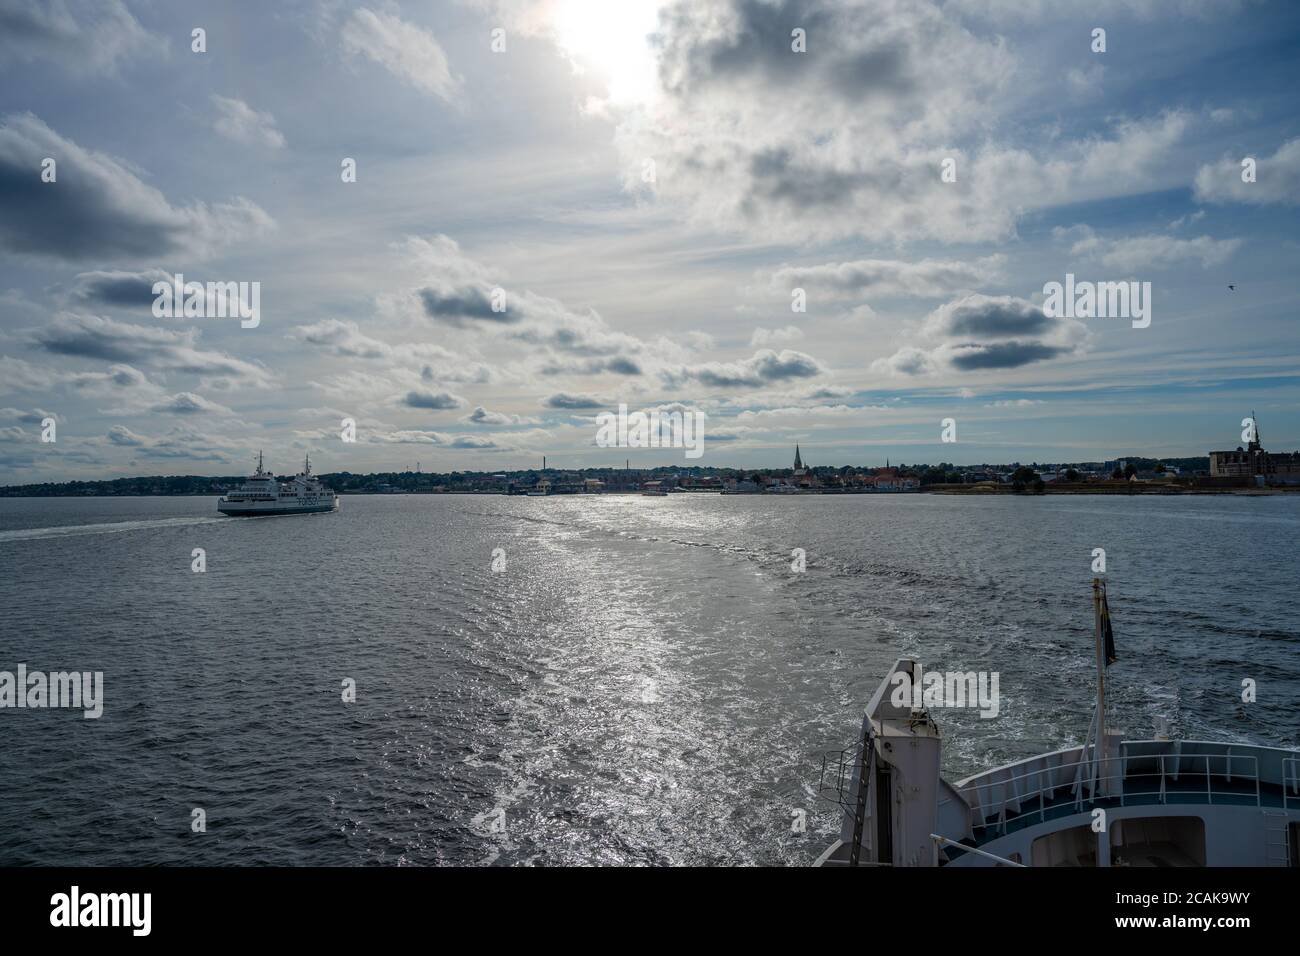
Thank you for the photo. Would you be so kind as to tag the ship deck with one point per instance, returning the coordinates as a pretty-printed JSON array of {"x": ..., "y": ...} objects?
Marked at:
[{"x": 1151, "y": 773}]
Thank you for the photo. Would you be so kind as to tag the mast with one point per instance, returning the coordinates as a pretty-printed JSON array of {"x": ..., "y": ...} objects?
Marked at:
[{"x": 1099, "y": 633}]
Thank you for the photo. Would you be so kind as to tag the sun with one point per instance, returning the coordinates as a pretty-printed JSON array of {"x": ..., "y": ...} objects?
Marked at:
[{"x": 610, "y": 39}]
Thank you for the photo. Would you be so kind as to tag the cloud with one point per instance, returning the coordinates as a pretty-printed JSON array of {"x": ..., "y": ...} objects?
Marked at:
[
  {"x": 1129, "y": 253},
  {"x": 187, "y": 403},
  {"x": 32, "y": 416},
  {"x": 98, "y": 209},
  {"x": 620, "y": 365},
  {"x": 481, "y": 416},
  {"x": 179, "y": 443},
  {"x": 436, "y": 400},
  {"x": 455, "y": 306},
  {"x": 81, "y": 36},
  {"x": 765, "y": 367},
  {"x": 443, "y": 439},
  {"x": 19, "y": 375},
  {"x": 118, "y": 289},
  {"x": 409, "y": 53},
  {"x": 117, "y": 376},
  {"x": 782, "y": 336},
  {"x": 95, "y": 337},
  {"x": 121, "y": 435},
  {"x": 238, "y": 121},
  {"x": 566, "y": 400},
  {"x": 340, "y": 338},
  {"x": 848, "y": 139},
  {"x": 1277, "y": 179},
  {"x": 979, "y": 332},
  {"x": 1085, "y": 83},
  {"x": 458, "y": 291},
  {"x": 803, "y": 414},
  {"x": 891, "y": 277}
]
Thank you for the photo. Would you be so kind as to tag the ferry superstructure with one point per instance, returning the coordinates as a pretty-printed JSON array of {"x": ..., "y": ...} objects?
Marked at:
[
  {"x": 262, "y": 495},
  {"x": 1110, "y": 802}
]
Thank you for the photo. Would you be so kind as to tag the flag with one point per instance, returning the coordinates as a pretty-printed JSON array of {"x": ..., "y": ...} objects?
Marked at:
[{"x": 1111, "y": 657}]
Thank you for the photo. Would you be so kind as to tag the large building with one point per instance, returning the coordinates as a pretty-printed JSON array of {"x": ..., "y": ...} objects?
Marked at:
[
  {"x": 803, "y": 475},
  {"x": 1281, "y": 468}
]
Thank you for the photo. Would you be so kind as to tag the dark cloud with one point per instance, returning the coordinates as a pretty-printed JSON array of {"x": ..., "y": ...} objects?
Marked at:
[
  {"x": 436, "y": 400},
  {"x": 454, "y": 306},
  {"x": 120, "y": 289},
  {"x": 983, "y": 317},
  {"x": 565, "y": 400},
  {"x": 755, "y": 47},
  {"x": 620, "y": 365},
  {"x": 979, "y": 332},
  {"x": 1002, "y": 355},
  {"x": 764, "y": 367},
  {"x": 94, "y": 337},
  {"x": 89, "y": 336},
  {"x": 99, "y": 209}
]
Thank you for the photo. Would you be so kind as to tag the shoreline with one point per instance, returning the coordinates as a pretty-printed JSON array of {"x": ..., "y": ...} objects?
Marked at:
[{"x": 967, "y": 491}]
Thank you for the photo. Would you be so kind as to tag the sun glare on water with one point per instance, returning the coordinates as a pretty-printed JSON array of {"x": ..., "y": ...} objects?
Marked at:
[{"x": 610, "y": 39}]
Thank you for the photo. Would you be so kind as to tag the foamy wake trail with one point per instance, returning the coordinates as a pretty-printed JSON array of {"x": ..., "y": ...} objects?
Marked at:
[{"x": 107, "y": 527}]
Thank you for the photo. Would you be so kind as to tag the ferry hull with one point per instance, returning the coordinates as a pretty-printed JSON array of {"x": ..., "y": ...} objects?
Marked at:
[{"x": 244, "y": 511}]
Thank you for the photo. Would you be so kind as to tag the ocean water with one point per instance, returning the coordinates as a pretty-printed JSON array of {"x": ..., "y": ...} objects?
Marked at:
[{"x": 646, "y": 681}]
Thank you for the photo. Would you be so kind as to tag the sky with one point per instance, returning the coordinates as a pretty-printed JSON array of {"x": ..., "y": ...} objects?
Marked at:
[{"x": 561, "y": 206}]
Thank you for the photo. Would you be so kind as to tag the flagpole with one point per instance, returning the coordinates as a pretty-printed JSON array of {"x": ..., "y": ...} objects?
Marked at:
[{"x": 1099, "y": 631}]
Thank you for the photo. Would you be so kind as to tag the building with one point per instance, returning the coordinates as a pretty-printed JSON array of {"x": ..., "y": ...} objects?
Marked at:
[
  {"x": 1276, "y": 469},
  {"x": 803, "y": 475},
  {"x": 888, "y": 479}
]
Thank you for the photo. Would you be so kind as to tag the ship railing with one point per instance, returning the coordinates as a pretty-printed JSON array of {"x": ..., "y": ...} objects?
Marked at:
[
  {"x": 1044, "y": 792},
  {"x": 1290, "y": 783}
]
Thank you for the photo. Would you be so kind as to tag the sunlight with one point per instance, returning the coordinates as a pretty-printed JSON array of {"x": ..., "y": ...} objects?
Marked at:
[{"x": 611, "y": 40}]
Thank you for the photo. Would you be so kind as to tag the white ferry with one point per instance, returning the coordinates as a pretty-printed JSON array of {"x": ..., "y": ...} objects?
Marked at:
[
  {"x": 1111, "y": 802},
  {"x": 261, "y": 494}
]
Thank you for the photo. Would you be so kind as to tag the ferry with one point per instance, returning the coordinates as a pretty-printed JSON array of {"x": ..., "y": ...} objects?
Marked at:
[
  {"x": 261, "y": 494},
  {"x": 1113, "y": 801}
]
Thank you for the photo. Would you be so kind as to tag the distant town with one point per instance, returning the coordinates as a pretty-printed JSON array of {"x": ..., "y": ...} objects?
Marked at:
[{"x": 1244, "y": 470}]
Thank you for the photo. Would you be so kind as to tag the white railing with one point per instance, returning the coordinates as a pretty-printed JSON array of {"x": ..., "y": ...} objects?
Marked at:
[{"x": 1184, "y": 777}]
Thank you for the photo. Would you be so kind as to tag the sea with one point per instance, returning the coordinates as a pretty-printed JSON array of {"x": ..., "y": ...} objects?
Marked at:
[{"x": 605, "y": 679}]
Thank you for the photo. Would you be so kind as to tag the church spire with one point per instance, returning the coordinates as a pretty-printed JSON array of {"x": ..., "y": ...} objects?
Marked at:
[
  {"x": 798, "y": 462},
  {"x": 1254, "y": 430}
]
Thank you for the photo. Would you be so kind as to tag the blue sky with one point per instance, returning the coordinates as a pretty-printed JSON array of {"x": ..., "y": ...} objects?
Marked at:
[{"x": 526, "y": 170}]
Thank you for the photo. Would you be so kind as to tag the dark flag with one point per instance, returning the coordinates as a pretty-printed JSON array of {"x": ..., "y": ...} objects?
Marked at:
[{"x": 1111, "y": 657}]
